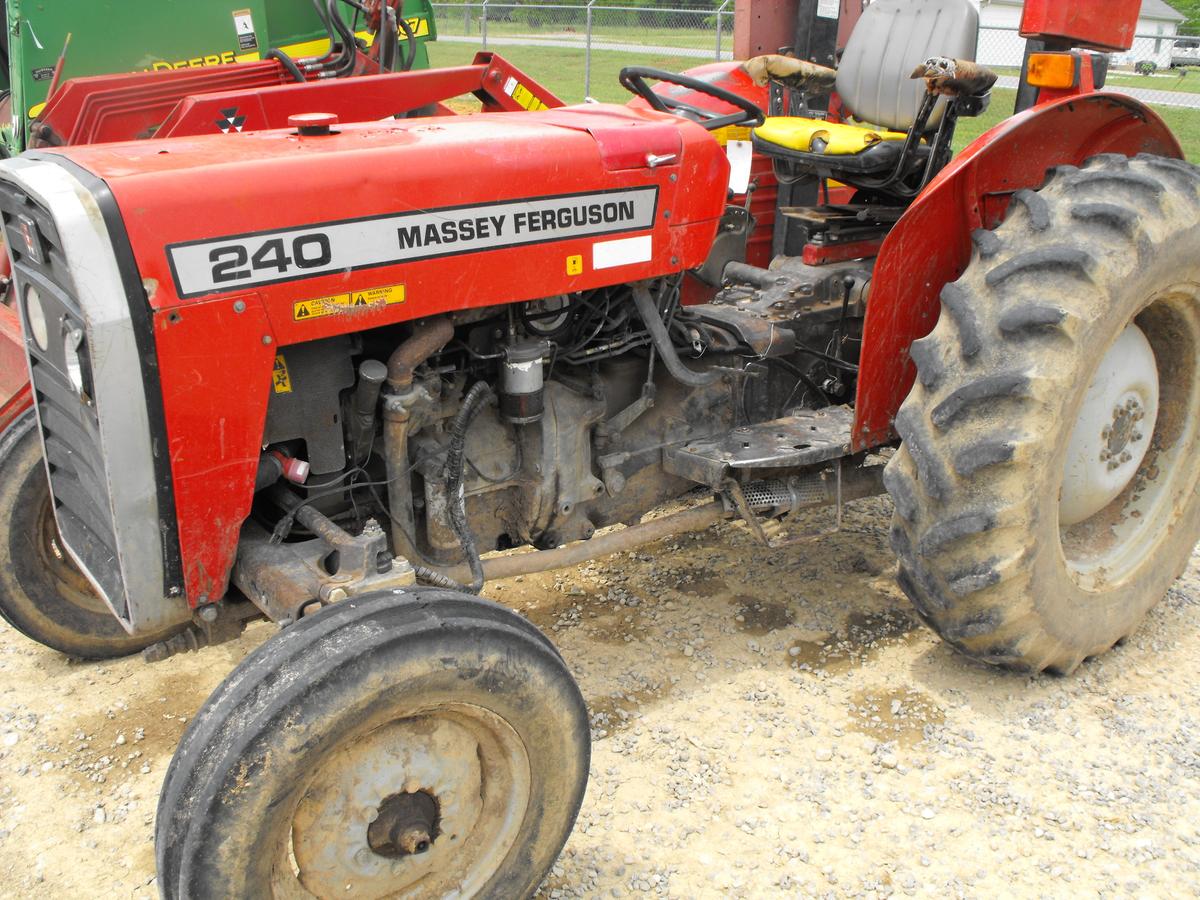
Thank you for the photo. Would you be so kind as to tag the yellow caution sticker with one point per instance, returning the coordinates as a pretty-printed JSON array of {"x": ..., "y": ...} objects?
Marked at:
[
  {"x": 281, "y": 379},
  {"x": 348, "y": 304},
  {"x": 731, "y": 133},
  {"x": 523, "y": 95},
  {"x": 574, "y": 265}
]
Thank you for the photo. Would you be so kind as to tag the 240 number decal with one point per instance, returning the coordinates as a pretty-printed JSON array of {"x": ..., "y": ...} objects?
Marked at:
[{"x": 235, "y": 262}]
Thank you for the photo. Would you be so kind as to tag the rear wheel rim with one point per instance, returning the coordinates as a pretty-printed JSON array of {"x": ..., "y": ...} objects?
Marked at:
[
  {"x": 1146, "y": 439},
  {"x": 428, "y": 805}
]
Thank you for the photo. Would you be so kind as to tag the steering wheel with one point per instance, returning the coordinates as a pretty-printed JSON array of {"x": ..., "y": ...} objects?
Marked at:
[{"x": 633, "y": 79}]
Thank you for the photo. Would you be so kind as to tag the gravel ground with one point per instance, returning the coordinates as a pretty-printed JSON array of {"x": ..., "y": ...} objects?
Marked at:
[{"x": 765, "y": 723}]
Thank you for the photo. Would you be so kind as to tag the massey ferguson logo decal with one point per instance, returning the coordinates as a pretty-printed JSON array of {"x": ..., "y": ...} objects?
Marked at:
[
  {"x": 230, "y": 120},
  {"x": 243, "y": 261}
]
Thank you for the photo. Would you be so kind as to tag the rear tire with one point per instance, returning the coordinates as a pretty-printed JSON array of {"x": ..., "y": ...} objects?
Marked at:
[
  {"x": 992, "y": 549},
  {"x": 431, "y": 707},
  {"x": 42, "y": 594}
]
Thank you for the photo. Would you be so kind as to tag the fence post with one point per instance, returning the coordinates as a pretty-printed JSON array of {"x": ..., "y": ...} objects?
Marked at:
[
  {"x": 483, "y": 24},
  {"x": 587, "y": 53},
  {"x": 467, "y": 19},
  {"x": 720, "y": 13}
]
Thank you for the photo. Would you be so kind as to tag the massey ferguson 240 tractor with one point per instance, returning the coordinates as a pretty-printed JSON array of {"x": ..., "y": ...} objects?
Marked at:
[{"x": 315, "y": 371}]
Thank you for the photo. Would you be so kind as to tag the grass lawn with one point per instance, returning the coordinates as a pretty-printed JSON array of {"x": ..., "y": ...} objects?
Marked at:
[{"x": 562, "y": 70}]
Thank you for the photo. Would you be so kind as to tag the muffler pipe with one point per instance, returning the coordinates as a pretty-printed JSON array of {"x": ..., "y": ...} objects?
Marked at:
[{"x": 371, "y": 375}]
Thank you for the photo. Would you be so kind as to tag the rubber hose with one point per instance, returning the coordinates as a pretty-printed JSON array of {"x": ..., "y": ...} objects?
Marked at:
[
  {"x": 452, "y": 472},
  {"x": 652, "y": 318},
  {"x": 287, "y": 62},
  {"x": 411, "y": 56}
]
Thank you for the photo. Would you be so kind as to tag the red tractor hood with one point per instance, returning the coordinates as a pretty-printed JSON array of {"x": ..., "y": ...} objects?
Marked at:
[{"x": 513, "y": 200}]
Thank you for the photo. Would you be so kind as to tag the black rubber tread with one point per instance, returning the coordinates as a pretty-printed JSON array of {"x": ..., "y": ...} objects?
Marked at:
[
  {"x": 1036, "y": 207},
  {"x": 960, "y": 306},
  {"x": 1031, "y": 317},
  {"x": 983, "y": 427},
  {"x": 1121, "y": 218},
  {"x": 32, "y": 599},
  {"x": 283, "y": 683},
  {"x": 986, "y": 243},
  {"x": 925, "y": 356}
]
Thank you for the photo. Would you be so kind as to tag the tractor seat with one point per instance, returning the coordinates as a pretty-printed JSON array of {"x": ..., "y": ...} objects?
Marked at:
[
  {"x": 875, "y": 85},
  {"x": 850, "y": 148}
]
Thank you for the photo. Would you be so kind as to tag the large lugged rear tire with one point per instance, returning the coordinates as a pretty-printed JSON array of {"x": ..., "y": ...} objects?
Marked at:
[
  {"x": 1046, "y": 488},
  {"x": 42, "y": 594},
  {"x": 418, "y": 744}
]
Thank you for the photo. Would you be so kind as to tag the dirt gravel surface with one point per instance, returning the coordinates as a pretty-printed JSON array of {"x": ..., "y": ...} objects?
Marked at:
[{"x": 765, "y": 723}]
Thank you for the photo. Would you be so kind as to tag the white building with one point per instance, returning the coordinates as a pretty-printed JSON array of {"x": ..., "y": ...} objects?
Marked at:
[{"x": 1001, "y": 45}]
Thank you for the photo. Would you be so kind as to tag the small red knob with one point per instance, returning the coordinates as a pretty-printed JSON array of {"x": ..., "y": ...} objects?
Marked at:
[{"x": 313, "y": 124}]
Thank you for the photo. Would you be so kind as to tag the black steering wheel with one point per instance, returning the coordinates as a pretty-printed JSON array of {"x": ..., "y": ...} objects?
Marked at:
[{"x": 633, "y": 79}]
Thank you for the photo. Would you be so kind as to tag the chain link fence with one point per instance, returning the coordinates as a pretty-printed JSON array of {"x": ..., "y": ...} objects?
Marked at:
[
  {"x": 582, "y": 47},
  {"x": 577, "y": 49}
]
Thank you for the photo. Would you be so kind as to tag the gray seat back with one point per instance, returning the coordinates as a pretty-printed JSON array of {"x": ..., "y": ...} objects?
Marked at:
[{"x": 891, "y": 39}]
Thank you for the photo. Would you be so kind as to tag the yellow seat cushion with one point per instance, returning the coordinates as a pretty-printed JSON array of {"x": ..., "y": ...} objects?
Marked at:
[{"x": 794, "y": 133}]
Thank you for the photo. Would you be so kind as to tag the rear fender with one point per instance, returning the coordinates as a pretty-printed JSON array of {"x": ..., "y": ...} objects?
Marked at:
[{"x": 931, "y": 245}]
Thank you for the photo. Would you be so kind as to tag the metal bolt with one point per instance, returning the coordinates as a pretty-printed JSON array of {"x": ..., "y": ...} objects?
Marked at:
[
  {"x": 208, "y": 613},
  {"x": 1105, "y": 454},
  {"x": 1125, "y": 457},
  {"x": 1137, "y": 435},
  {"x": 268, "y": 340},
  {"x": 239, "y": 306}
]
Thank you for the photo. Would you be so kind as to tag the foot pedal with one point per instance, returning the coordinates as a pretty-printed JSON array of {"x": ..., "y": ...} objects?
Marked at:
[{"x": 805, "y": 439}]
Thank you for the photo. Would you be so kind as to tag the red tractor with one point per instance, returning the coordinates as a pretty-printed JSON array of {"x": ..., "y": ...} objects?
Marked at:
[{"x": 313, "y": 373}]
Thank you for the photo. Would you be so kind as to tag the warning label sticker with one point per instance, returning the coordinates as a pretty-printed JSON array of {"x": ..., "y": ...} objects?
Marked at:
[
  {"x": 340, "y": 304},
  {"x": 243, "y": 26},
  {"x": 281, "y": 379},
  {"x": 523, "y": 95},
  {"x": 237, "y": 262}
]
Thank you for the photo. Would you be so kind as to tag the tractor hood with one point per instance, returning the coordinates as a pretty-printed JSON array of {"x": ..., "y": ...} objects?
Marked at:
[{"x": 464, "y": 211}]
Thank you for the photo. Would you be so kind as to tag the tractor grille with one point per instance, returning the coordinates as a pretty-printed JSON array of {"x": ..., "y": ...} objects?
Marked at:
[{"x": 63, "y": 391}]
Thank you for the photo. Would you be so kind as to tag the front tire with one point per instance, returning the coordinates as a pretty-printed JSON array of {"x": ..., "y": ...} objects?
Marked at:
[
  {"x": 1025, "y": 539},
  {"x": 42, "y": 593},
  {"x": 417, "y": 744}
]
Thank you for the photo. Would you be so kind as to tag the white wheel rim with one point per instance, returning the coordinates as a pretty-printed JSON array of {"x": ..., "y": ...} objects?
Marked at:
[{"x": 1113, "y": 430}]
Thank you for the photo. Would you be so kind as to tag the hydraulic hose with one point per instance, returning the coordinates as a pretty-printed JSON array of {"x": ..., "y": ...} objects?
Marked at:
[
  {"x": 288, "y": 63},
  {"x": 411, "y": 38},
  {"x": 452, "y": 472},
  {"x": 647, "y": 309}
]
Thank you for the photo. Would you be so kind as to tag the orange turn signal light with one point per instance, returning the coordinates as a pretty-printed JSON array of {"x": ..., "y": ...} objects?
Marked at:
[{"x": 1053, "y": 70}]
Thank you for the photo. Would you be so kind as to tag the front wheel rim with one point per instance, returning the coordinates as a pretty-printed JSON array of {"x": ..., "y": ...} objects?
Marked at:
[{"x": 429, "y": 805}]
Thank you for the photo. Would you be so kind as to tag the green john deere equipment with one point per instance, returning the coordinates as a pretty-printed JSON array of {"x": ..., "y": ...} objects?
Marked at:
[{"x": 46, "y": 43}]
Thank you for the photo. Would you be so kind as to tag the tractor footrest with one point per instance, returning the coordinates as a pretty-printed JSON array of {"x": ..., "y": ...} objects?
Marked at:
[{"x": 804, "y": 439}]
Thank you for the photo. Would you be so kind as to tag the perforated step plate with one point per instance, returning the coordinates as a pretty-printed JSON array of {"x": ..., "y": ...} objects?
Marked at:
[{"x": 805, "y": 439}]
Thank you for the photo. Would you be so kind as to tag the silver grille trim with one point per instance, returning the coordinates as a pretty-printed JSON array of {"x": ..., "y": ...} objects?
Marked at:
[{"x": 128, "y": 570}]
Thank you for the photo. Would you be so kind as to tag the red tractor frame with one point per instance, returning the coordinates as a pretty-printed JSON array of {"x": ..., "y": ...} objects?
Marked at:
[{"x": 318, "y": 370}]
